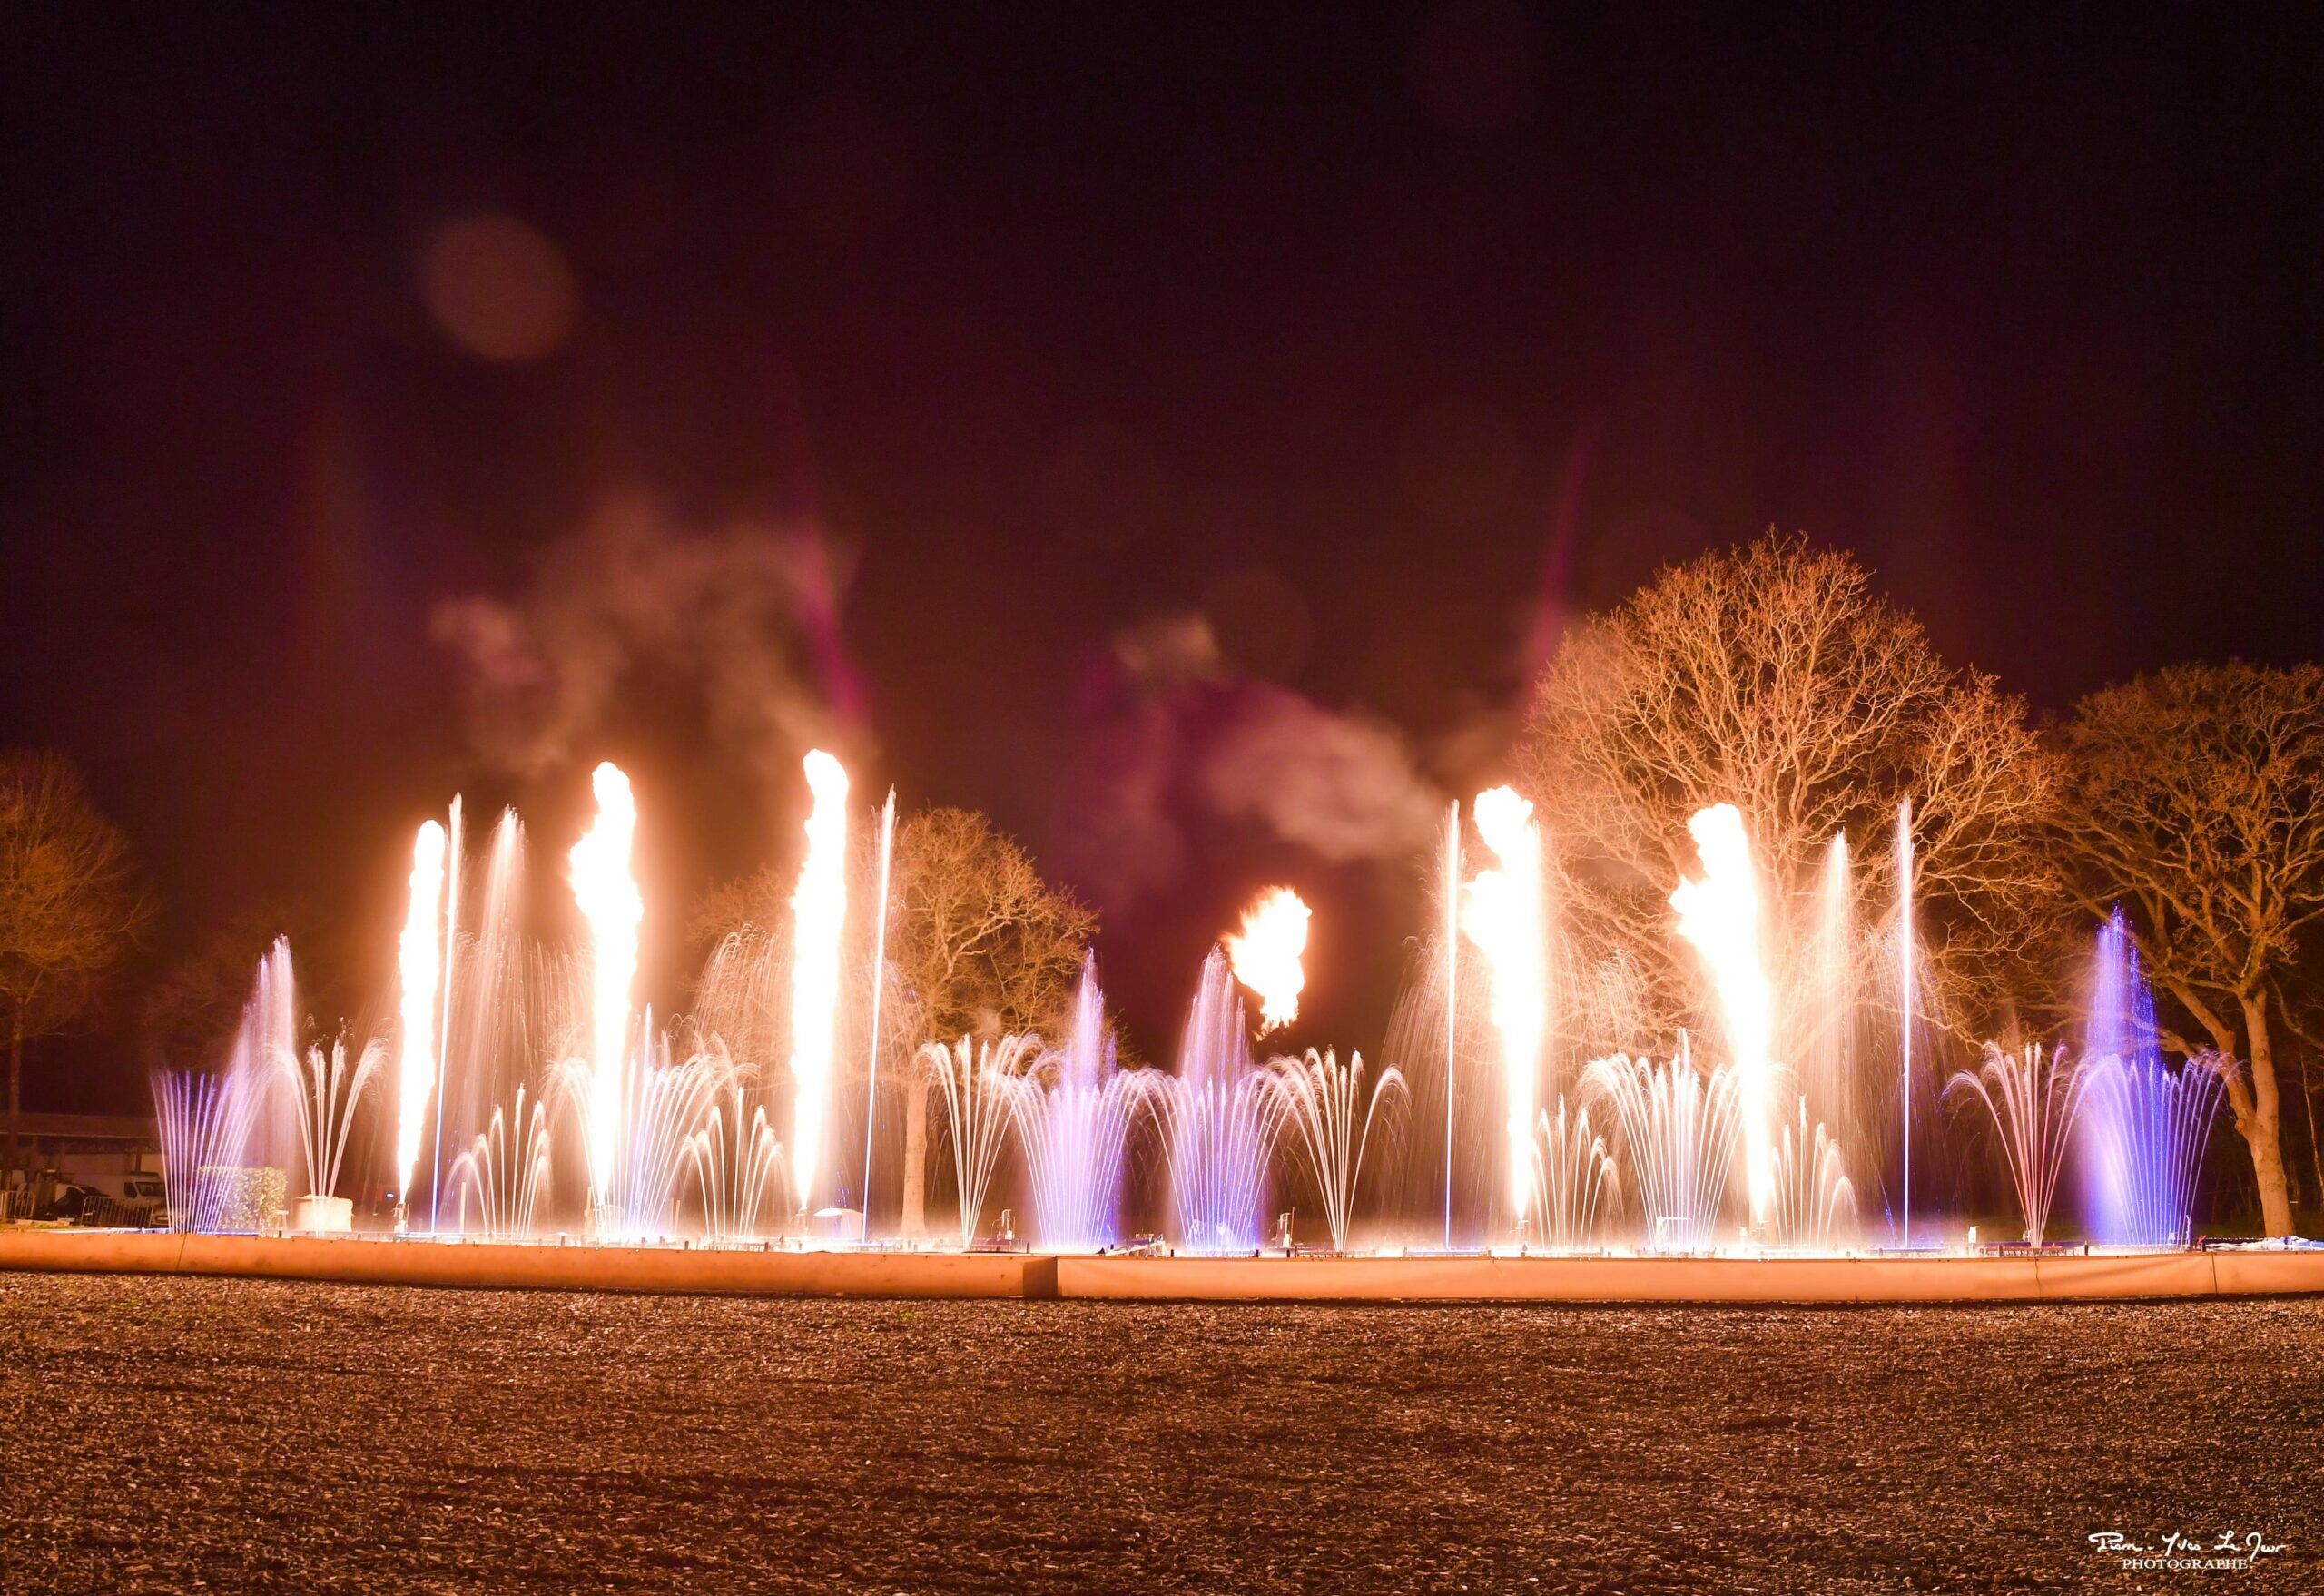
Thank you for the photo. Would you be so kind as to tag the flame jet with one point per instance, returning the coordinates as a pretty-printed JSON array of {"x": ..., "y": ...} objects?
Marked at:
[
  {"x": 607, "y": 896},
  {"x": 818, "y": 919},
  {"x": 1507, "y": 917},
  {"x": 1266, "y": 954},
  {"x": 1720, "y": 914},
  {"x": 420, "y": 973}
]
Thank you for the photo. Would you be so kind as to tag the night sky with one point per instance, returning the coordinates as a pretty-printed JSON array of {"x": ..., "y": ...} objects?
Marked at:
[{"x": 1371, "y": 340}]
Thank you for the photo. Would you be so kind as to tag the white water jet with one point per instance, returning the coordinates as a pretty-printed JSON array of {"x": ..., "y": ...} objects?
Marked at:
[
  {"x": 420, "y": 973},
  {"x": 980, "y": 1087},
  {"x": 1327, "y": 1104},
  {"x": 667, "y": 1102},
  {"x": 1452, "y": 992},
  {"x": 737, "y": 1165},
  {"x": 1720, "y": 914},
  {"x": 454, "y": 844},
  {"x": 1575, "y": 1181},
  {"x": 493, "y": 1017},
  {"x": 1218, "y": 1129},
  {"x": 1827, "y": 1032},
  {"x": 879, "y": 982},
  {"x": 1075, "y": 1124},
  {"x": 206, "y": 1121},
  {"x": 2033, "y": 1099},
  {"x": 329, "y": 1090},
  {"x": 1814, "y": 1202},
  {"x": 506, "y": 1171},
  {"x": 1679, "y": 1134},
  {"x": 1904, "y": 956}
]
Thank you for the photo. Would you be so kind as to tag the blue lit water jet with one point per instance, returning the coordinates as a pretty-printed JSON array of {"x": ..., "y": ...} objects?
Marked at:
[
  {"x": 2144, "y": 1124},
  {"x": 1076, "y": 1121},
  {"x": 1218, "y": 1122}
]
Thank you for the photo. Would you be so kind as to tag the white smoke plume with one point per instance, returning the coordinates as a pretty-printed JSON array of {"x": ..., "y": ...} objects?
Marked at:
[
  {"x": 1339, "y": 785},
  {"x": 1187, "y": 738},
  {"x": 744, "y": 613}
]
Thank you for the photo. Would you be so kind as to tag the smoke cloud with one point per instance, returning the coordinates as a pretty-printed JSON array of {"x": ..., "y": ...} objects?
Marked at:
[
  {"x": 1339, "y": 785},
  {"x": 745, "y": 615},
  {"x": 1182, "y": 741}
]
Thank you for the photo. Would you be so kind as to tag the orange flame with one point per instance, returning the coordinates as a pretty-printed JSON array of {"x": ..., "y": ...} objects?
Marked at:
[
  {"x": 419, "y": 972},
  {"x": 1506, "y": 917},
  {"x": 1720, "y": 914},
  {"x": 1266, "y": 954},
  {"x": 819, "y": 916},
  {"x": 607, "y": 896}
]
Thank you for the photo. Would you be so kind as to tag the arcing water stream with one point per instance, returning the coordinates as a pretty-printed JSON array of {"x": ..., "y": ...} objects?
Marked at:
[{"x": 569, "y": 1109}]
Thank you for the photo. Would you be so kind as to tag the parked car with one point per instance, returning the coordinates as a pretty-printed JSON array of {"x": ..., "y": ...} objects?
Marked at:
[
  {"x": 141, "y": 1205},
  {"x": 66, "y": 1199}
]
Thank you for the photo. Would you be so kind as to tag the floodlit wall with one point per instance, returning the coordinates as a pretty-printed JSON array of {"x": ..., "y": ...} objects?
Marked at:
[{"x": 775, "y": 1273}]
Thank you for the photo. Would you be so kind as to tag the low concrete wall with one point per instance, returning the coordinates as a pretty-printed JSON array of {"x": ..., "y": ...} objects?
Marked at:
[
  {"x": 1691, "y": 1280},
  {"x": 533, "y": 1266},
  {"x": 1769, "y": 1280}
]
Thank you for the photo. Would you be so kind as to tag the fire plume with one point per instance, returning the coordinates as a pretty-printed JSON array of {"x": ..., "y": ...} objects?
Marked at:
[
  {"x": 607, "y": 896},
  {"x": 420, "y": 973},
  {"x": 1507, "y": 918},
  {"x": 818, "y": 918},
  {"x": 1720, "y": 914},
  {"x": 1266, "y": 954}
]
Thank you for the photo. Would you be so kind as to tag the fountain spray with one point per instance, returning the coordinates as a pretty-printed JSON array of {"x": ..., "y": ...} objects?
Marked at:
[
  {"x": 444, "y": 1024},
  {"x": 1506, "y": 917},
  {"x": 878, "y": 981},
  {"x": 1904, "y": 989},
  {"x": 1265, "y": 955},
  {"x": 1720, "y": 914},
  {"x": 1828, "y": 1043},
  {"x": 1452, "y": 991},
  {"x": 420, "y": 973},
  {"x": 611, "y": 906},
  {"x": 819, "y": 917}
]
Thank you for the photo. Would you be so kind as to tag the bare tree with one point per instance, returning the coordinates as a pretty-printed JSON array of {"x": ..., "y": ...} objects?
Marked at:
[
  {"x": 978, "y": 944},
  {"x": 1772, "y": 677},
  {"x": 68, "y": 905},
  {"x": 2195, "y": 799},
  {"x": 983, "y": 941},
  {"x": 189, "y": 1014}
]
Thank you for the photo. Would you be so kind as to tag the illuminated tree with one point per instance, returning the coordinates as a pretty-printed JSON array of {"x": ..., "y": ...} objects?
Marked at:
[
  {"x": 1772, "y": 677},
  {"x": 978, "y": 944},
  {"x": 2195, "y": 799},
  {"x": 985, "y": 945},
  {"x": 189, "y": 1014},
  {"x": 68, "y": 906}
]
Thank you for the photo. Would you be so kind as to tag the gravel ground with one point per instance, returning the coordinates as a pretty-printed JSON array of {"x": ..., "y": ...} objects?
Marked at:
[{"x": 181, "y": 1435}]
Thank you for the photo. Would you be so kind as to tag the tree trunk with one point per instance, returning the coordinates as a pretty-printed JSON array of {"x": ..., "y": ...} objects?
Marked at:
[
  {"x": 2261, "y": 1121},
  {"x": 15, "y": 1083},
  {"x": 2315, "y": 1149},
  {"x": 914, "y": 1223}
]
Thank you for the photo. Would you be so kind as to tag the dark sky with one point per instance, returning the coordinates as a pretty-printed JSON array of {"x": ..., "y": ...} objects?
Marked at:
[{"x": 1376, "y": 335}]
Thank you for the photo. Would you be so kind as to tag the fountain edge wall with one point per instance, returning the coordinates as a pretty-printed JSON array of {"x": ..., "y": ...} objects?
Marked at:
[{"x": 1724, "y": 1279}]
